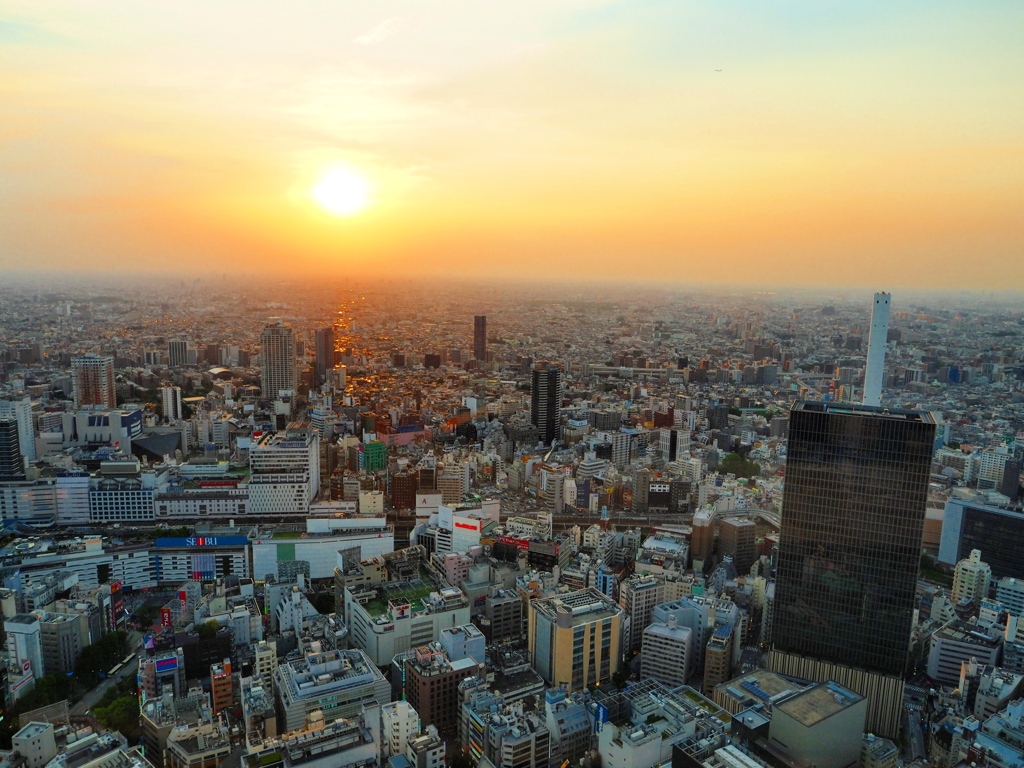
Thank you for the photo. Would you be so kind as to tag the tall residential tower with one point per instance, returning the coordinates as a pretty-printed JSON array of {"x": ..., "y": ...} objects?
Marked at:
[
  {"x": 277, "y": 359},
  {"x": 94, "y": 381}
]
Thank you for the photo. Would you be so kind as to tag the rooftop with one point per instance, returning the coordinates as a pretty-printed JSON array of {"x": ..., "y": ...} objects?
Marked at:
[
  {"x": 856, "y": 409},
  {"x": 585, "y": 605},
  {"x": 818, "y": 703},
  {"x": 760, "y": 686}
]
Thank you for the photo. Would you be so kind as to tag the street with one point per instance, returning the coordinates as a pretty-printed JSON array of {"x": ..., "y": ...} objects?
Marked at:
[{"x": 90, "y": 698}]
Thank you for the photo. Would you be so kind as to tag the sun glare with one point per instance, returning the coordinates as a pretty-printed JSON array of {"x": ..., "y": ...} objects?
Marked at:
[{"x": 342, "y": 192}]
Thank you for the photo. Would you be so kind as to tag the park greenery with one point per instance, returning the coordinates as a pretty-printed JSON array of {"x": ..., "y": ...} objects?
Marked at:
[{"x": 738, "y": 465}]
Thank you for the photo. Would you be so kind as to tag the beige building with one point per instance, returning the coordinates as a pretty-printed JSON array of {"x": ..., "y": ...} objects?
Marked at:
[
  {"x": 821, "y": 726},
  {"x": 574, "y": 638},
  {"x": 971, "y": 579}
]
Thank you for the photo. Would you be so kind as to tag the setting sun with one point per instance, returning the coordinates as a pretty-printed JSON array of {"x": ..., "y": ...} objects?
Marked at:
[{"x": 342, "y": 192}]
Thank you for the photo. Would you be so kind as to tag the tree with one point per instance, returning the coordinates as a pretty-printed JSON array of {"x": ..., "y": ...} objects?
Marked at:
[
  {"x": 735, "y": 464},
  {"x": 146, "y": 615},
  {"x": 324, "y": 602},
  {"x": 121, "y": 715},
  {"x": 207, "y": 630}
]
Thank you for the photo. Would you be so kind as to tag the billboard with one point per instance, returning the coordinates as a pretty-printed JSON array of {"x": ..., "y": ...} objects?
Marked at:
[
  {"x": 523, "y": 544},
  {"x": 167, "y": 665},
  {"x": 165, "y": 618},
  {"x": 204, "y": 541}
]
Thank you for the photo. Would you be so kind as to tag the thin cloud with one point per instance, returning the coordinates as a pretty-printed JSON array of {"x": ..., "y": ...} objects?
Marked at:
[{"x": 386, "y": 29}]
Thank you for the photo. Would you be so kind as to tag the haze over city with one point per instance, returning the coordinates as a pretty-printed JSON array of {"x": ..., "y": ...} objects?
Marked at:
[
  {"x": 870, "y": 144},
  {"x": 577, "y": 384}
]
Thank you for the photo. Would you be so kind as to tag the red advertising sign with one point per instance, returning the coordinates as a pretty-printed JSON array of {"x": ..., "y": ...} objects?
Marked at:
[
  {"x": 468, "y": 526},
  {"x": 523, "y": 544},
  {"x": 165, "y": 617}
]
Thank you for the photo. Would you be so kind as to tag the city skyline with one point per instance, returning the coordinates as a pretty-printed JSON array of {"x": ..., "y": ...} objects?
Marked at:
[{"x": 794, "y": 144}]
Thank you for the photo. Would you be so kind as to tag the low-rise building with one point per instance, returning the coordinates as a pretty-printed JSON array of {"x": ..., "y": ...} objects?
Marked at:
[{"x": 338, "y": 683}]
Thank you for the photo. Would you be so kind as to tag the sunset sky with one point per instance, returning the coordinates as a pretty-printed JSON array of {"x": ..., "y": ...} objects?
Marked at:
[{"x": 865, "y": 143}]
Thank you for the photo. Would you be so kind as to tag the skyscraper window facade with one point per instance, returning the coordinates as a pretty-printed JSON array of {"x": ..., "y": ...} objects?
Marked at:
[
  {"x": 324, "y": 354},
  {"x": 480, "y": 337},
  {"x": 94, "y": 381},
  {"x": 850, "y": 544},
  {"x": 277, "y": 359},
  {"x": 546, "y": 401}
]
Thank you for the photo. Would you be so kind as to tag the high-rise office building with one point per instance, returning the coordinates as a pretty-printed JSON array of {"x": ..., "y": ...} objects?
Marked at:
[
  {"x": 277, "y": 359},
  {"x": 94, "y": 381},
  {"x": 546, "y": 400},
  {"x": 480, "y": 337},
  {"x": 20, "y": 409},
  {"x": 849, "y": 549},
  {"x": 12, "y": 463},
  {"x": 177, "y": 353},
  {"x": 171, "y": 400},
  {"x": 324, "y": 354},
  {"x": 574, "y": 638}
]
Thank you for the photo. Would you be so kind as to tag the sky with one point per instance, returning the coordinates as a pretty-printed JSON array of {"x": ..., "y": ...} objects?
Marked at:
[{"x": 870, "y": 143}]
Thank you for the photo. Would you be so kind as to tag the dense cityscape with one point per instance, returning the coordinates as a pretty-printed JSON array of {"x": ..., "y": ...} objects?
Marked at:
[{"x": 498, "y": 524}]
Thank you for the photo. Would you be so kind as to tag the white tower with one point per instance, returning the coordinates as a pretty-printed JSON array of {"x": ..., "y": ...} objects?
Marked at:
[{"x": 875, "y": 370}]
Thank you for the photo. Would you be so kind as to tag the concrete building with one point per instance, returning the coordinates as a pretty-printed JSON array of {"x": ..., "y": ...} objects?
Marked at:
[
  {"x": 170, "y": 398},
  {"x": 997, "y": 688},
  {"x": 971, "y": 579},
  {"x": 569, "y": 725},
  {"x": 24, "y": 644},
  {"x": 968, "y": 525},
  {"x": 736, "y": 535},
  {"x": 667, "y": 652},
  {"x": 63, "y": 637},
  {"x": 821, "y": 726},
  {"x": 400, "y": 724},
  {"x": 956, "y": 643},
  {"x": 756, "y": 689},
  {"x": 36, "y": 742},
  {"x": 285, "y": 471},
  {"x": 426, "y": 750},
  {"x": 197, "y": 745},
  {"x": 465, "y": 642},
  {"x": 1010, "y": 592},
  {"x": 574, "y": 638},
  {"x": 322, "y": 743},
  {"x": 503, "y": 616},
  {"x": 718, "y": 656},
  {"x": 638, "y": 595},
  {"x": 222, "y": 689},
  {"x": 160, "y": 715},
  {"x": 386, "y": 620},
  {"x": 277, "y": 360},
  {"x": 93, "y": 381},
  {"x": 432, "y": 686},
  {"x": 876, "y": 752},
  {"x": 338, "y": 683}
]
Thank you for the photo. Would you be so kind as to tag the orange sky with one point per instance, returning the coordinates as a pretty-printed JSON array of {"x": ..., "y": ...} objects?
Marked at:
[{"x": 840, "y": 143}]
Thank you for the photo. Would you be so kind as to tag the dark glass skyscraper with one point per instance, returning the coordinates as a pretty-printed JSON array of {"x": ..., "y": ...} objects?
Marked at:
[
  {"x": 546, "y": 400},
  {"x": 324, "y": 354},
  {"x": 850, "y": 547},
  {"x": 480, "y": 338},
  {"x": 12, "y": 465}
]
